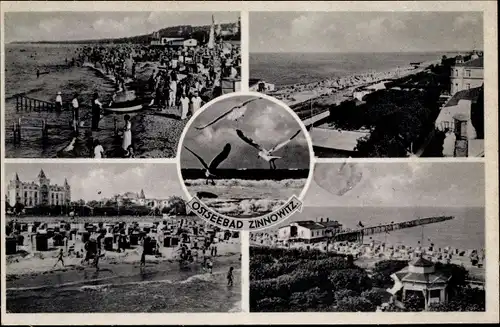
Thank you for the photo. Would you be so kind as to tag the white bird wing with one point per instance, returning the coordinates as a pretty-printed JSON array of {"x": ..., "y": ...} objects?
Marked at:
[
  {"x": 249, "y": 140},
  {"x": 226, "y": 113},
  {"x": 198, "y": 157},
  {"x": 282, "y": 144}
]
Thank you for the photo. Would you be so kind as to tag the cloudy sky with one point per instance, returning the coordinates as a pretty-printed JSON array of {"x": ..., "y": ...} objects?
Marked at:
[
  {"x": 400, "y": 184},
  {"x": 365, "y": 31},
  {"x": 157, "y": 180},
  {"x": 265, "y": 122},
  {"x": 61, "y": 26}
]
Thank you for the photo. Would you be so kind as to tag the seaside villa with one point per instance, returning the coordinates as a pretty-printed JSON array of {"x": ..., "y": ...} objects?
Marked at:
[
  {"x": 420, "y": 278},
  {"x": 466, "y": 75},
  {"x": 309, "y": 231}
]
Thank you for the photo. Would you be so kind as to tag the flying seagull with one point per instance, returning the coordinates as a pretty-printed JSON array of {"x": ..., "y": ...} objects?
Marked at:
[
  {"x": 227, "y": 113},
  {"x": 263, "y": 153},
  {"x": 216, "y": 161}
]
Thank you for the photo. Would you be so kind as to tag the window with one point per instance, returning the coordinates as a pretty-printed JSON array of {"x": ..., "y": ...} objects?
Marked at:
[
  {"x": 467, "y": 86},
  {"x": 25, "y": 194},
  {"x": 456, "y": 72},
  {"x": 467, "y": 73}
]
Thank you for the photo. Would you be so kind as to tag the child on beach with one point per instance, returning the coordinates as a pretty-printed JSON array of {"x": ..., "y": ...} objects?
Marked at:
[
  {"x": 230, "y": 277},
  {"x": 184, "y": 106},
  {"x": 98, "y": 150},
  {"x": 60, "y": 258},
  {"x": 210, "y": 265},
  {"x": 130, "y": 153},
  {"x": 76, "y": 112},
  {"x": 127, "y": 133},
  {"x": 143, "y": 258}
]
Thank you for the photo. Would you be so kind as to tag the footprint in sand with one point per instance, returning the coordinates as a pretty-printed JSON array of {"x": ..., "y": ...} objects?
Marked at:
[{"x": 338, "y": 180}]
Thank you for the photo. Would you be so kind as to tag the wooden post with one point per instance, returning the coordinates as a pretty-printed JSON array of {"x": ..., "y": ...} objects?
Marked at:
[
  {"x": 115, "y": 127},
  {"x": 30, "y": 104},
  {"x": 19, "y": 130},
  {"x": 17, "y": 103}
]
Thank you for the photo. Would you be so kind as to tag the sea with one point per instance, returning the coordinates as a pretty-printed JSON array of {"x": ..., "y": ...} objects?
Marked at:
[
  {"x": 21, "y": 64},
  {"x": 161, "y": 287},
  {"x": 291, "y": 68},
  {"x": 465, "y": 231}
]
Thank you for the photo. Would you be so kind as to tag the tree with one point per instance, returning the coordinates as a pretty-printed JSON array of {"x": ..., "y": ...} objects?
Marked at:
[
  {"x": 465, "y": 299},
  {"x": 93, "y": 203},
  {"x": 81, "y": 202},
  {"x": 355, "y": 304},
  {"x": 383, "y": 270},
  {"x": 375, "y": 296},
  {"x": 18, "y": 207},
  {"x": 414, "y": 302},
  {"x": 176, "y": 206}
]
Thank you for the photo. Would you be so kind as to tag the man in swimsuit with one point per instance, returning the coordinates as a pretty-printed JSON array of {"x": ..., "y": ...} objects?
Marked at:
[{"x": 230, "y": 277}]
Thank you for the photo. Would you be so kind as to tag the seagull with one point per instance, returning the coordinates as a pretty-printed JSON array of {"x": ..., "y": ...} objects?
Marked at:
[
  {"x": 227, "y": 113},
  {"x": 70, "y": 146},
  {"x": 263, "y": 153},
  {"x": 216, "y": 161}
]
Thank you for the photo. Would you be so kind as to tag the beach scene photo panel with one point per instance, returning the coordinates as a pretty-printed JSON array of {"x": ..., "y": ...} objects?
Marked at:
[
  {"x": 377, "y": 237},
  {"x": 109, "y": 238},
  {"x": 376, "y": 84},
  {"x": 113, "y": 84}
]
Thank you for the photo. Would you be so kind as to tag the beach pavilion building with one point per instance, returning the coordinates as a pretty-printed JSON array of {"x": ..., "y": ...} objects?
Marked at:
[
  {"x": 466, "y": 75},
  {"x": 422, "y": 279}
]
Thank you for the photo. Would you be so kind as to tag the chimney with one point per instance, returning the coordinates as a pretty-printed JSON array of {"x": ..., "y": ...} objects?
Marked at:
[
  {"x": 321, "y": 220},
  {"x": 327, "y": 219}
]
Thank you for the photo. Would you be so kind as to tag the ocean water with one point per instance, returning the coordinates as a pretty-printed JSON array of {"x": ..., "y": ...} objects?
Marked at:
[
  {"x": 21, "y": 64},
  {"x": 291, "y": 68},
  {"x": 465, "y": 231},
  {"x": 127, "y": 288}
]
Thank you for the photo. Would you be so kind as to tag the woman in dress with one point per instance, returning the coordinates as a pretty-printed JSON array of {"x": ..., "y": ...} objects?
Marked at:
[{"x": 127, "y": 133}]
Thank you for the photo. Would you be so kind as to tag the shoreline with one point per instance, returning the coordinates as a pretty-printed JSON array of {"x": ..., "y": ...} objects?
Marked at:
[{"x": 339, "y": 87}]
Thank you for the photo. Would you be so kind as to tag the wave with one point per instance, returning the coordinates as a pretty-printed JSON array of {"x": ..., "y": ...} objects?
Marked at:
[
  {"x": 245, "y": 207},
  {"x": 267, "y": 183}
]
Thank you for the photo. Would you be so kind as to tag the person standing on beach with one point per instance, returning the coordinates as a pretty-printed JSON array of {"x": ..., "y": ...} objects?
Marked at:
[
  {"x": 58, "y": 102},
  {"x": 230, "y": 277},
  {"x": 76, "y": 112},
  {"x": 127, "y": 133},
  {"x": 96, "y": 259},
  {"x": 60, "y": 258},
  {"x": 196, "y": 101},
  {"x": 96, "y": 112},
  {"x": 98, "y": 150},
  {"x": 143, "y": 258},
  {"x": 184, "y": 106}
]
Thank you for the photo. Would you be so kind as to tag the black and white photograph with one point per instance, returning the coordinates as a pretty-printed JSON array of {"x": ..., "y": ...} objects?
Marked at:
[
  {"x": 245, "y": 156},
  {"x": 377, "y": 237},
  {"x": 113, "y": 84},
  {"x": 87, "y": 238},
  {"x": 376, "y": 84}
]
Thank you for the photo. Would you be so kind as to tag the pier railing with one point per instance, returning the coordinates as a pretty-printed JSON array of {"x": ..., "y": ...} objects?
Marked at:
[
  {"x": 28, "y": 104},
  {"x": 37, "y": 124},
  {"x": 358, "y": 234}
]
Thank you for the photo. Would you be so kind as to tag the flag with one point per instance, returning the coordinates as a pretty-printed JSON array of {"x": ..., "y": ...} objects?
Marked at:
[{"x": 211, "y": 38}]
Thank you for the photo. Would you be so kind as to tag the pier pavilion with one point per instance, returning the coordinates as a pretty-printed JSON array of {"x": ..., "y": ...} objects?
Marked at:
[{"x": 421, "y": 278}]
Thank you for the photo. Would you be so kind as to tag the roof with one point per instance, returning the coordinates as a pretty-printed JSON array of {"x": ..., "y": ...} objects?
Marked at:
[
  {"x": 331, "y": 223},
  {"x": 429, "y": 278},
  {"x": 476, "y": 63},
  {"x": 421, "y": 262},
  {"x": 334, "y": 139},
  {"x": 309, "y": 224},
  {"x": 470, "y": 94}
]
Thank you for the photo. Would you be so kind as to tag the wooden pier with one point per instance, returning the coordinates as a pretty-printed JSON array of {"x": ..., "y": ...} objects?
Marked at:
[
  {"x": 27, "y": 104},
  {"x": 358, "y": 234},
  {"x": 37, "y": 124}
]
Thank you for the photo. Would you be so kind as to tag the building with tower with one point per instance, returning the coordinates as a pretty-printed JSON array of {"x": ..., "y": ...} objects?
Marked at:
[{"x": 38, "y": 192}]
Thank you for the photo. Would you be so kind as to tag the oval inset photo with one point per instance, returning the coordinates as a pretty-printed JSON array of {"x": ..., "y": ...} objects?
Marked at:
[{"x": 245, "y": 156}]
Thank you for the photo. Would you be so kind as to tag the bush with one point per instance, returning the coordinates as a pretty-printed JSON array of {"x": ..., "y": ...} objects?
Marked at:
[
  {"x": 375, "y": 296},
  {"x": 351, "y": 279},
  {"x": 355, "y": 304},
  {"x": 271, "y": 304},
  {"x": 381, "y": 276}
]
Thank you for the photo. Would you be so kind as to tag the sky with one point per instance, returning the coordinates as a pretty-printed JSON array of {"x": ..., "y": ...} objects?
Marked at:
[
  {"x": 365, "y": 31},
  {"x": 400, "y": 185},
  {"x": 87, "y": 179},
  {"x": 63, "y": 26},
  {"x": 263, "y": 121}
]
